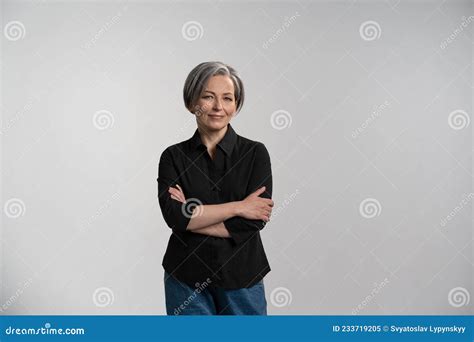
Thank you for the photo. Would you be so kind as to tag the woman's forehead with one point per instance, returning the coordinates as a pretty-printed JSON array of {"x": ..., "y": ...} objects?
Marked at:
[{"x": 220, "y": 83}]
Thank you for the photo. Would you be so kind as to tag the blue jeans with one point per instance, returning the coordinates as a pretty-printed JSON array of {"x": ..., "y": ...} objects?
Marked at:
[{"x": 182, "y": 299}]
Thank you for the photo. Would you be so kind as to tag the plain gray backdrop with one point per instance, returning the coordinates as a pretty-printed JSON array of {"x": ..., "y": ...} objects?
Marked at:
[{"x": 364, "y": 106}]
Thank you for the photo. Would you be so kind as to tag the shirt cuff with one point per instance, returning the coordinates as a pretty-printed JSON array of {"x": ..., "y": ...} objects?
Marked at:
[{"x": 241, "y": 229}]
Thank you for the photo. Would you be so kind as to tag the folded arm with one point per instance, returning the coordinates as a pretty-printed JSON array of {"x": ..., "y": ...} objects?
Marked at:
[
  {"x": 242, "y": 227},
  {"x": 238, "y": 220},
  {"x": 251, "y": 217},
  {"x": 216, "y": 230},
  {"x": 182, "y": 214}
]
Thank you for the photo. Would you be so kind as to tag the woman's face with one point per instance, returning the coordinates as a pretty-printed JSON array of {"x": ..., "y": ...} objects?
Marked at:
[{"x": 216, "y": 104}]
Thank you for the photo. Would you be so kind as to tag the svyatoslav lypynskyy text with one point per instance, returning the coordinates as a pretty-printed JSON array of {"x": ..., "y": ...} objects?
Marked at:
[{"x": 428, "y": 329}]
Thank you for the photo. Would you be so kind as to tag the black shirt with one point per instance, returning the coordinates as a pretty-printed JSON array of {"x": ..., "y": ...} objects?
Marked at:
[{"x": 240, "y": 167}]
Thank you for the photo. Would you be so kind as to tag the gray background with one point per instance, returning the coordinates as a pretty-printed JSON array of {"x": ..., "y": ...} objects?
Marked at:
[{"x": 368, "y": 130}]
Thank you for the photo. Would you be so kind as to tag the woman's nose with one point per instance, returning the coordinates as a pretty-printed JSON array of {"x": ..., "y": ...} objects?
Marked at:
[{"x": 217, "y": 105}]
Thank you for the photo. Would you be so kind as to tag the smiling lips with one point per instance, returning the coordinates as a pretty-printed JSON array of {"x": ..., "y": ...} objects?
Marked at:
[{"x": 216, "y": 116}]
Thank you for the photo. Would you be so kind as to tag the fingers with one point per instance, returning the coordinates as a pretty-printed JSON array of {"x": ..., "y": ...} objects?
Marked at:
[
  {"x": 182, "y": 193},
  {"x": 176, "y": 198},
  {"x": 265, "y": 215},
  {"x": 177, "y": 188},
  {"x": 177, "y": 193},
  {"x": 267, "y": 202},
  {"x": 259, "y": 191}
]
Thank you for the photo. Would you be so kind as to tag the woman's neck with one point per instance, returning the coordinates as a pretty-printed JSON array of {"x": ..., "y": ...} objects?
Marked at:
[{"x": 211, "y": 138}]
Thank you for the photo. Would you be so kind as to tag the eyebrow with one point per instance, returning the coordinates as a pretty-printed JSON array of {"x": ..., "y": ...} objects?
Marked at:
[{"x": 215, "y": 93}]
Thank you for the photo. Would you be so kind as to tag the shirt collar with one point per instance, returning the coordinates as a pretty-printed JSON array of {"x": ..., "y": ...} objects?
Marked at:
[{"x": 226, "y": 144}]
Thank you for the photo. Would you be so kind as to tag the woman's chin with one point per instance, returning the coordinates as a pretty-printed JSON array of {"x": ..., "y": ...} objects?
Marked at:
[{"x": 216, "y": 125}]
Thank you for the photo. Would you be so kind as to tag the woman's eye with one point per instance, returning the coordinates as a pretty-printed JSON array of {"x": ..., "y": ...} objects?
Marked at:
[{"x": 210, "y": 97}]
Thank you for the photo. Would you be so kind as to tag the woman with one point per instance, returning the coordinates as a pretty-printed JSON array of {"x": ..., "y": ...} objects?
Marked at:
[{"x": 214, "y": 191}]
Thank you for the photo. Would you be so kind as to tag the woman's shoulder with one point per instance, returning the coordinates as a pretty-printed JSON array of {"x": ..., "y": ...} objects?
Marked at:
[
  {"x": 247, "y": 144},
  {"x": 174, "y": 149},
  {"x": 246, "y": 141}
]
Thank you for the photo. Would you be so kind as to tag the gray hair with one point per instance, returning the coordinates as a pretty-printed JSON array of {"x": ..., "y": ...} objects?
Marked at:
[{"x": 198, "y": 77}]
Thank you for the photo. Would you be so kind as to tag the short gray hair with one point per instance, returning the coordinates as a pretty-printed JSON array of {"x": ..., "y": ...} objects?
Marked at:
[{"x": 198, "y": 77}]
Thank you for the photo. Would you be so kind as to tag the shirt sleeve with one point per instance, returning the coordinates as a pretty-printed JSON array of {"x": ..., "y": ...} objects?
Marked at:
[
  {"x": 241, "y": 229},
  {"x": 172, "y": 210}
]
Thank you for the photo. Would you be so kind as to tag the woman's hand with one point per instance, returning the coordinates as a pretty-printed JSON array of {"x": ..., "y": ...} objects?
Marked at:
[
  {"x": 254, "y": 207},
  {"x": 177, "y": 194},
  {"x": 216, "y": 230}
]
